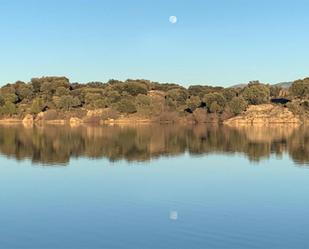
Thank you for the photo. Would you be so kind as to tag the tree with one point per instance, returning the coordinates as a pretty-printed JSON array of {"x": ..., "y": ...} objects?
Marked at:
[
  {"x": 24, "y": 91},
  {"x": 178, "y": 96},
  {"x": 61, "y": 90},
  {"x": 9, "y": 108},
  {"x": 275, "y": 91},
  {"x": 214, "y": 97},
  {"x": 67, "y": 102},
  {"x": 300, "y": 88},
  {"x": 2, "y": 101},
  {"x": 143, "y": 100},
  {"x": 112, "y": 96},
  {"x": 94, "y": 100},
  {"x": 126, "y": 106},
  {"x": 215, "y": 107},
  {"x": 237, "y": 105},
  {"x": 256, "y": 93},
  {"x": 37, "y": 106},
  {"x": 193, "y": 102},
  {"x": 135, "y": 88}
]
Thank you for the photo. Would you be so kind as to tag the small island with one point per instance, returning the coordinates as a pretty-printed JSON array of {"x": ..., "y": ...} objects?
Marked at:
[{"x": 56, "y": 100}]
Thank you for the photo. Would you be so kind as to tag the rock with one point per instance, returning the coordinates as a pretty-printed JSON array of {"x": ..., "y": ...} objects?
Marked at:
[
  {"x": 264, "y": 114},
  {"x": 39, "y": 117},
  {"x": 75, "y": 121},
  {"x": 28, "y": 120},
  {"x": 94, "y": 113}
]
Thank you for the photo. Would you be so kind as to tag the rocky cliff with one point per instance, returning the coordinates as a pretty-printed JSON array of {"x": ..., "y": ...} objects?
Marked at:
[{"x": 264, "y": 114}]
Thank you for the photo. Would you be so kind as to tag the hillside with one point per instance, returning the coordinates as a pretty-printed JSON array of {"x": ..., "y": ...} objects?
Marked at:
[{"x": 56, "y": 100}]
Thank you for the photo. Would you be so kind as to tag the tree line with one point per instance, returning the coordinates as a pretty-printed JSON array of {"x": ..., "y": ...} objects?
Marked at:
[{"x": 59, "y": 98}]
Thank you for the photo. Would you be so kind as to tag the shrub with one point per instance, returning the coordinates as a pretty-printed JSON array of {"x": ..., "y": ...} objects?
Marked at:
[
  {"x": 60, "y": 91},
  {"x": 36, "y": 106},
  {"x": 256, "y": 94},
  {"x": 178, "y": 96},
  {"x": 143, "y": 100},
  {"x": 134, "y": 88},
  {"x": 300, "y": 88},
  {"x": 237, "y": 105},
  {"x": 126, "y": 106},
  {"x": 9, "y": 108},
  {"x": 215, "y": 107},
  {"x": 67, "y": 102},
  {"x": 216, "y": 100},
  {"x": 193, "y": 102}
]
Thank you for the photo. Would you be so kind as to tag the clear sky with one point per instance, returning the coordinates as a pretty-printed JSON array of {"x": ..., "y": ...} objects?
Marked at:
[{"x": 220, "y": 42}]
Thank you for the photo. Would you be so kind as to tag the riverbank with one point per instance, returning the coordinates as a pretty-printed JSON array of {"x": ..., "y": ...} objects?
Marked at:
[{"x": 254, "y": 115}]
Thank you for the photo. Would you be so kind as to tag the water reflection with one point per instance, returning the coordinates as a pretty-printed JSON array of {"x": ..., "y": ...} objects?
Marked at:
[{"x": 57, "y": 144}]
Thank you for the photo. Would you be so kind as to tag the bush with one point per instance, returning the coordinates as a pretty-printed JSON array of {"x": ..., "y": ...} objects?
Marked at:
[
  {"x": 60, "y": 91},
  {"x": 9, "y": 108},
  {"x": 237, "y": 105},
  {"x": 193, "y": 102},
  {"x": 300, "y": 88},
  {"x": 143, "y": 100},
  {"x": 256, "y": 94},
  {"x": 67, "y": 102},
  {"x": 216, "y": 100},
  {"x": 178, "y": 96},
  {"x": 36, "y": 106},
  {"x": 215, "y": 107},
  {"x": 295, "y": 107},
  {"x": 126, "y": 106},
  {"x": 134, "y": 88}
]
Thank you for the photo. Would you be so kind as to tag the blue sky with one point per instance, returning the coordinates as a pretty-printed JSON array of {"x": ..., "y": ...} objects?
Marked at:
[{"x": 222, "y": 42}]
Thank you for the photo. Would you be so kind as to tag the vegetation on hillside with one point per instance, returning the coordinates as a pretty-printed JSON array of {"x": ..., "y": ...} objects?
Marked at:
[{"x": 57, "y": 98}]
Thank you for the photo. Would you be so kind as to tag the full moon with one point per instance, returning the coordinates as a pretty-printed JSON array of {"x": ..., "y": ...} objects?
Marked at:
[{"x": 173, "y": 19}]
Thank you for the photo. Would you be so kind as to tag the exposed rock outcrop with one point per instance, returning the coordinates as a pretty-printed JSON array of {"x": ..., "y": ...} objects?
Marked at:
[
  {"x": 75, "y": 121},
  {"x": 28, "y": 120},
  {"x": 264, "y": 114}
]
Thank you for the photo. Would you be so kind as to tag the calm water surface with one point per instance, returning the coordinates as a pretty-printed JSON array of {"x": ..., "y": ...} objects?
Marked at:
[{"x": 154, "y": 187}]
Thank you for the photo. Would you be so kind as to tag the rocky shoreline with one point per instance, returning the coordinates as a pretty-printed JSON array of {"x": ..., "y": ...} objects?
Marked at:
[{"x": 254, "y": 115}]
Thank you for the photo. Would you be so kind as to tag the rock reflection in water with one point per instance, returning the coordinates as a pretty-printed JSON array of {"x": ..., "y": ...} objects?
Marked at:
[{"x": 55, "y": 145}]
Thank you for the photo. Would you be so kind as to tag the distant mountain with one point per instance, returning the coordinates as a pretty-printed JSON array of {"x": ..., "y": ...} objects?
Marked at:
[
  {"x": 281, "y": 84},
  {"x": 239, "y": 86}
]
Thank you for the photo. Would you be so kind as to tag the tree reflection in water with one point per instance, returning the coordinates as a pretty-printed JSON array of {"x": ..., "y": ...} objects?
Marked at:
[{"x": 55, "y": 145}]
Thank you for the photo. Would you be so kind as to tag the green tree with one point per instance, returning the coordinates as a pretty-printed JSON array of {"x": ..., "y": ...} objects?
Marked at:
[
  {"x": 61, "y": 90},
  {"x": 36, "y": 106},
  {"x": 237, "y": 105},
  {"x": 215, "y": 107},
  {"x": 143, "y": 100},
  {"x": 67, "y": 102},
  {"x": 178, "y": 96},
  {"x": 256, "y": 93},
  {"x": 300, "y": 88},
  {"x": 193, "y": 102},
  {"x": 24, "y": 92},
  {"x": 9, "y": 108},
  {"x": 214, "y": 97},
  {"x": 126, "y": 106},
  {"x": 135, "y": 88}
]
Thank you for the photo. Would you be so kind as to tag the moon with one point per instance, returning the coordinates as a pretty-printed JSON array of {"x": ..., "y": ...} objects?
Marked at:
[{"x": 173, "y": 19}]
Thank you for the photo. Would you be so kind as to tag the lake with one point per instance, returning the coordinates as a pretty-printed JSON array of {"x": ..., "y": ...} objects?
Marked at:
[{"x": 154, "y": 186}]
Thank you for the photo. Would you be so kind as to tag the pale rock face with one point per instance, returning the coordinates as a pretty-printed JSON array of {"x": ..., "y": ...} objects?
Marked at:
[
  {"x": 28, "y": 120},
  {"x": 94, "y": 113},
  {"x": 75, "y": 121},
  {"x": 264, "y": 114}
]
